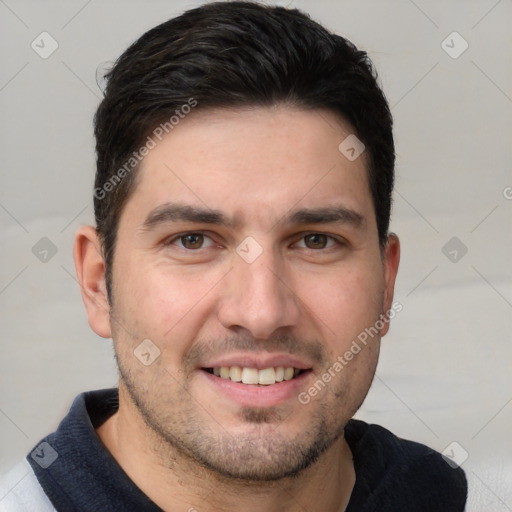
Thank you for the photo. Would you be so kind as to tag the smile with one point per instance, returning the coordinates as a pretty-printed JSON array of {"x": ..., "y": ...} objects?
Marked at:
[{"x": 264, "y": 377}]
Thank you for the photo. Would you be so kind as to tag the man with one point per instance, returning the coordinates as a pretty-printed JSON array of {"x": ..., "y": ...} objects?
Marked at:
[{"x": 242, "y": 264}]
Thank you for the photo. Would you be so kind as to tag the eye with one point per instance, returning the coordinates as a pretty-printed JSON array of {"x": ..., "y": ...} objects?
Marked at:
[
  {"x": 317, "y": 241},
  {"x": 192, "y": 241}
]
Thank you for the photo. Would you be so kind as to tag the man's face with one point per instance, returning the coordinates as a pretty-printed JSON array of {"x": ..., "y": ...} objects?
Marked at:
[{"x": 250, "y": 243}]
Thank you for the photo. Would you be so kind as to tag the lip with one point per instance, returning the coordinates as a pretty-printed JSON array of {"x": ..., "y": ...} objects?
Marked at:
[
  {"x": 259, "y": 361},
  {"x": 255, "y": 395}
]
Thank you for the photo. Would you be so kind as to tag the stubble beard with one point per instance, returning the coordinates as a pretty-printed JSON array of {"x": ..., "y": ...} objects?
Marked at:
[{"x": 180, "y": 436}]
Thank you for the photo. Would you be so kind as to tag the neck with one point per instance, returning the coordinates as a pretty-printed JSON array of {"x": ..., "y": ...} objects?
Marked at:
[{"x": 175, "y": 482}]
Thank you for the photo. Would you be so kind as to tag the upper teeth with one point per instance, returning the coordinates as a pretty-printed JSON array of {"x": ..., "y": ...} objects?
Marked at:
[{"x": 264, "y": 377}]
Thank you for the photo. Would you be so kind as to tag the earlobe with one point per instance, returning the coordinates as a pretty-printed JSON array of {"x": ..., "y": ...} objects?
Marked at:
[
  {"x": 90, "y": 270},
  {"x": 391, "y": 262}
]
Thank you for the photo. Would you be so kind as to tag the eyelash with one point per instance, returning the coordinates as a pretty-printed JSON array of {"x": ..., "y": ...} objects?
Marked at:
[{"x": 330, "y": 238}]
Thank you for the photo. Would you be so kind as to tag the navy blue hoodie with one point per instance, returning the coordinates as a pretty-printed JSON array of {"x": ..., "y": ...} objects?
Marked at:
[{"x": 77, "y": 473}]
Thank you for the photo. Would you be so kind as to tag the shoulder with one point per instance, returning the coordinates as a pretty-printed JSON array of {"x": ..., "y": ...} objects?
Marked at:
[
  {"x": 403, "y": 472},
  {"x": 20, "y": 491}
]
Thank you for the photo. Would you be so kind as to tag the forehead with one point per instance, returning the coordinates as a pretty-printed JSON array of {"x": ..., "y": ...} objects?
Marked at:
[{"x": 253, "y": 164}]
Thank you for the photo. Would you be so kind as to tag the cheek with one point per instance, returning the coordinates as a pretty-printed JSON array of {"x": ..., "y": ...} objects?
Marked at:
[
  {"x": 344, "y": 303},
  {"x": 164, "y": 303}
]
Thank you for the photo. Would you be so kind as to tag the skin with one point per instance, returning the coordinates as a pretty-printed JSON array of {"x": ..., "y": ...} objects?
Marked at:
[{"x": 182, "y": 440}]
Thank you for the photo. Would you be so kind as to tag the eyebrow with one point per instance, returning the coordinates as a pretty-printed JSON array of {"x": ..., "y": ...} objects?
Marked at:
[
  {"x": 170, "y": 212},
  {"x": 327, "y": 215},
  {"x": 184, "y": 213}
]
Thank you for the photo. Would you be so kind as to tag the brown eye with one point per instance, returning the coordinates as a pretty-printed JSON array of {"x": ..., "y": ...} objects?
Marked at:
[
  {"x": 192, "y": 240},
  {"x": 316, "y": 241}
]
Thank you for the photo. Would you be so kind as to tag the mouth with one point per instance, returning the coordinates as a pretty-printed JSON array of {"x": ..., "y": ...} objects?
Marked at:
[{"x": 255, "y": 377}]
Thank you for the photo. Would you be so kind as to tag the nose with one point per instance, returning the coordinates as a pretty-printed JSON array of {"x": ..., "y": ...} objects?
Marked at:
[{"x": 258, "y": 297}]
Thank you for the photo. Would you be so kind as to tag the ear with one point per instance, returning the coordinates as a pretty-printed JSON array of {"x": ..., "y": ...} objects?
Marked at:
[
  {"x": 90, "y": 271},
  {"x": 391, "y": 259}
]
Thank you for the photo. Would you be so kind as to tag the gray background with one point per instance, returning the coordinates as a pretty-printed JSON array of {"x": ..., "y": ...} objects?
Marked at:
[{"x": 445, "y": 369}]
